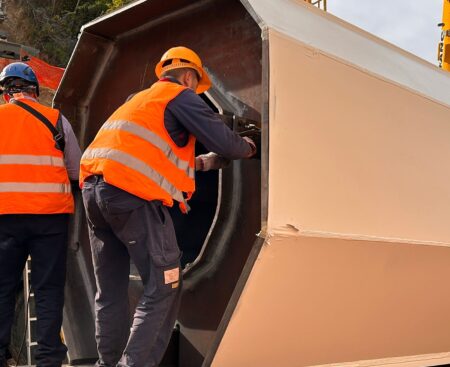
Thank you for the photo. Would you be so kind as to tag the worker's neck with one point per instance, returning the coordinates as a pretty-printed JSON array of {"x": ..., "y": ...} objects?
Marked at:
[
  {"x": 22, "y": 95},
  {"x": 172, "y": 79}
]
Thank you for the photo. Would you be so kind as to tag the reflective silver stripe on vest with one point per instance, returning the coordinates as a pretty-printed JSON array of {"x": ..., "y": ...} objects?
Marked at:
[
  {"x": 153, "y": 139},
  {"x": 37, "y": 160},
  {"x": 36, "y": 187},
  {"x": 136, "y": 164}
]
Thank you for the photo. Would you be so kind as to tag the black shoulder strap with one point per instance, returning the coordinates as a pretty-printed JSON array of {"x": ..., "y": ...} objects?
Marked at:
[{"x": 57, "y": 135}]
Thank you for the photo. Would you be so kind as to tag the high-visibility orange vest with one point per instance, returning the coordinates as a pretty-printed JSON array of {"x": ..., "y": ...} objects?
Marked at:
[
  {"x": 33, "y": 176},
  {"x": 134, "y": 151}
]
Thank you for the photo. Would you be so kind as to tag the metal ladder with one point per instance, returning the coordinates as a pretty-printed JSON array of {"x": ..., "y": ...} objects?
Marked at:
[{"x": 28, "y": 298}]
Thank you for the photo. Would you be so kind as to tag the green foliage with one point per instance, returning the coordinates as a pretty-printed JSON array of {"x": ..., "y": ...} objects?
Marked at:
[
  {"x": 116, "y": 4},
  {"x": 52, "y": 26}
]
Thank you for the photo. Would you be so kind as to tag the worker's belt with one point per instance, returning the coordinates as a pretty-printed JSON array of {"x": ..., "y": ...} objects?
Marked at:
[{"x": 94, "y": 179}]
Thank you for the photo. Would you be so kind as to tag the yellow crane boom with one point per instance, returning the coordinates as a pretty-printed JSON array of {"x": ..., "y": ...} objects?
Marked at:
[{"x": 444, "y": 45}]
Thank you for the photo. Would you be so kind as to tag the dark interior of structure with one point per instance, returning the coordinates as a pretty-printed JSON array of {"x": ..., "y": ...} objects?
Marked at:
[{"x": 192, "y": 229}]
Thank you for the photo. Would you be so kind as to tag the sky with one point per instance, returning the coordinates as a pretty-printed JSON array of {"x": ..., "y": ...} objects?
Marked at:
[{"x": 409, "y": 24}]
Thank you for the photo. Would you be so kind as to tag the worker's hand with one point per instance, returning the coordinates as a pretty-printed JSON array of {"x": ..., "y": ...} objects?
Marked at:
[
  {"x": 206, "y": 162},
  {"x": 252, "y": 145}
]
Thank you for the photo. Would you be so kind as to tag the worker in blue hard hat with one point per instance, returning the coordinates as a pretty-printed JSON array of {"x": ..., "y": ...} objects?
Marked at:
[
  {"x": 19, "y": 75},
  {"x": 39, "y": 156}
]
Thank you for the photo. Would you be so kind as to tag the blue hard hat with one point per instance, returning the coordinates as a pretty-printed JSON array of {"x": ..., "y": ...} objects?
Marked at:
[{"x": 19, "y": 70}]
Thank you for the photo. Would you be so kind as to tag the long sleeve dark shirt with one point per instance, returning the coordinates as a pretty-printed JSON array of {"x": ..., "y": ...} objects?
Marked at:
[{"x": 189, "y": 114}]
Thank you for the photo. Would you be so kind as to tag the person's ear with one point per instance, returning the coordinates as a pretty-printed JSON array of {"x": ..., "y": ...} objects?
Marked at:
[
  {"x": 191, "y": 75},
  {"x": 188, "y": 76},
  {"x": 6, "y": 97},
  {"x": 183, "y": 79}
]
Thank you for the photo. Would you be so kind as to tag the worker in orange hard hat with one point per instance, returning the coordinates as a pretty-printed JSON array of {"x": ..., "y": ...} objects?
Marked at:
[
  {"x": 180, "y": 58},
  {"x": 140, "y": 162},
  {"x": 39, "y": 157}
]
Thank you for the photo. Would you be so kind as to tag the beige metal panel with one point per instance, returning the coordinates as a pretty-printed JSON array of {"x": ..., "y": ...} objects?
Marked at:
[
  {"x": 351, "y": 155},
  {"x": 328, "y": 33},
  {"x": 312, "y": 301},
  {"x": 354, "y": 154}
]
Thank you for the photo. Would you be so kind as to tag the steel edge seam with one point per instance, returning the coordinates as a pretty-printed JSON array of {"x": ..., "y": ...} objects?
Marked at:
[
  {"x": 261, "y": 239},
  {"x": 246, "y": 4},
  {"x": 421, "y": 360},
  {"x": 254, "y": 253}
]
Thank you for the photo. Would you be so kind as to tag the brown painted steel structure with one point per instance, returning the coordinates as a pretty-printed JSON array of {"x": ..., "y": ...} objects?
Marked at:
[{"x": 350, "y": 200}]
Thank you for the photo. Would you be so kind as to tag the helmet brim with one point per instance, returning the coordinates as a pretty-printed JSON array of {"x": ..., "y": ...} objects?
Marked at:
[{"x": 204, "y": 83}]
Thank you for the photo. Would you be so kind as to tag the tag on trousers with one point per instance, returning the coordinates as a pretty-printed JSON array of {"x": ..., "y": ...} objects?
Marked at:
[{"x": 171, "y": 275}]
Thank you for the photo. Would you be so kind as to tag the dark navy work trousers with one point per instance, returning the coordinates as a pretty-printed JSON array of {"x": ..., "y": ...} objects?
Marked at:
[
  {"x": 44, "y": 238},
  {"x": 123, "y": 227}
]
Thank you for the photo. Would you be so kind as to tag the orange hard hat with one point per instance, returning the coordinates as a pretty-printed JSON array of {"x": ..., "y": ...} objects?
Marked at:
[{"x": 183, "y": 57}]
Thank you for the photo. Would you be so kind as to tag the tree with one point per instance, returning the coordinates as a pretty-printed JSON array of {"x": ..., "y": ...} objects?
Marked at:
[{"x": 52, "y": 26}]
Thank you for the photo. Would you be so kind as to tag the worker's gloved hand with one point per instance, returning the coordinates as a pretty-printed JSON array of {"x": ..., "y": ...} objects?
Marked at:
[
  {"x": 252, "y": 145},
  {"x": 206, "y": 162}
]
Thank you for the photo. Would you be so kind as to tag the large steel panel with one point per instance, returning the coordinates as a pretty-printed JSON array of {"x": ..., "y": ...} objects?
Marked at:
[
  {"x": 338, "y": 301},
  {"x": 355, "y": 261},
  {"x": 353, "y": 209},
  {"x": 367, "y": 152}
]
